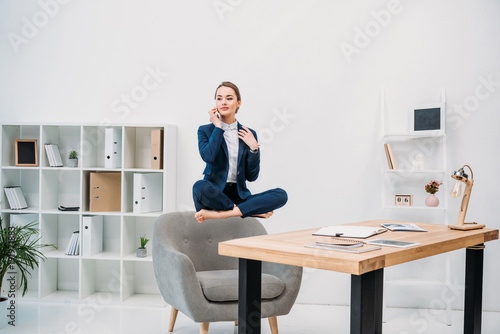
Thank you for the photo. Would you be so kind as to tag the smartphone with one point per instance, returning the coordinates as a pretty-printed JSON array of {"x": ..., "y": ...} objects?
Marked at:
[{"x": 217, "y": 112}]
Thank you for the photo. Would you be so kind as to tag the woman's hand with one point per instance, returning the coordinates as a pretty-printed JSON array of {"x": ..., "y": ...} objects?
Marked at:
[
  {"x": 247, "y": 136},
  {"x": 214, "y": 118}
]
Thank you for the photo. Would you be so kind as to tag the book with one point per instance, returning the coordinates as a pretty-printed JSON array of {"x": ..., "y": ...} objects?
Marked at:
[
  {"x": 19, "y": 196},
  {"x": 392, "y": 157},
  {"x": 73, "y": 245},
  {"x": 53, "y": 155},
  {"x": 15, "y": 197},
  {"x": 403, "y": 227},
  {"x": 361, "y": 232},
  {"x": 339, "y": 242},
  {"x": 388, "y": 156},
  {"x": 392, "y": 243}
]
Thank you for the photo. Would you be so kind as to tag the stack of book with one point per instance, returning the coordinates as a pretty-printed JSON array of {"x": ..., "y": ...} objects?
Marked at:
[
  {"x": 74, "y": 244},
  {"x": 15, "y": 197},
  {"x": 53, "y": 155}
]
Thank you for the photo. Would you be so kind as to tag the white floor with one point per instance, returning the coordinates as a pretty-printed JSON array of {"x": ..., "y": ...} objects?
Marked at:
[{"x": 51, "y": 318}]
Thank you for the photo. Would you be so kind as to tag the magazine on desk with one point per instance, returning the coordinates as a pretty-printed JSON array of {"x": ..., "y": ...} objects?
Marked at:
[{"x": 350, "y": 231}]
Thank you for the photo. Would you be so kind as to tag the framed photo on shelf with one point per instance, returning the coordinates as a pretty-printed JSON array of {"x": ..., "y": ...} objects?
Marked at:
[
  {"x": 26, "y": 153},
  {"x": 403, "y": 200},
  {"x": 429, "y": 119}
]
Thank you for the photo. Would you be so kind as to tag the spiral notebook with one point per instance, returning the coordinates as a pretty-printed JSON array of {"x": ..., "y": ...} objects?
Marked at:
[{"x": 347, "y": 231}]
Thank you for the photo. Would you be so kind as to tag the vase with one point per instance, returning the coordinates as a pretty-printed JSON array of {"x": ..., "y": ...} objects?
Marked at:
[
  {"x": 142, "y": 252},
  {"x": 432, "y": 200},
  {"x": 4, "y": 304},
  {"x": 72, "y": 162}
]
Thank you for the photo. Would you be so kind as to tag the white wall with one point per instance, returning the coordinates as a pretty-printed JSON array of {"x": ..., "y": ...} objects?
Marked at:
[{"x": 316, "y": 109}]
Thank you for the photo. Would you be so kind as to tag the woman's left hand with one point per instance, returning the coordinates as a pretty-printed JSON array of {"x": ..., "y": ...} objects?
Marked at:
[{"x": 247, "y": 136}]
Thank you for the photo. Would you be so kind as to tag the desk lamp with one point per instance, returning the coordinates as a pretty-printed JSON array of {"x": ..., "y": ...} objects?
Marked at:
[{"x": 460, "y": 177}]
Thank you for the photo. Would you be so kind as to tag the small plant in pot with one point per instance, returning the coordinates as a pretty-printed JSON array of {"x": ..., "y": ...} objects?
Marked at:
[
  {"x": 73, "y": 158},
  {"x": 19, "y": 253},
  {"x": 142, "y": 251}
]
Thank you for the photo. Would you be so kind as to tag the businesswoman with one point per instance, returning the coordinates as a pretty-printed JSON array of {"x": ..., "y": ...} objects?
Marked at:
[{"x": 232, "y": 157}]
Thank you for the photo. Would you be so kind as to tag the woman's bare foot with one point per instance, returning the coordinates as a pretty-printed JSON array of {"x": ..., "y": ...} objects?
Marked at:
[
  {"x": 204, "y": 214},
  {"x": 264, "y": 215}
]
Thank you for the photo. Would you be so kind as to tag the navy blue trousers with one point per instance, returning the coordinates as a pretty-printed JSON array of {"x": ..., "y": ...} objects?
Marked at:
[{"x": 207, "y": 196}]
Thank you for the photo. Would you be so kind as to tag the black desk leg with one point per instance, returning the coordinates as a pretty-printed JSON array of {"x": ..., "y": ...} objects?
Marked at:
[
  {"x": 366, "y": 302},
  {"x": 473, "y": 290},
  {"x": 250, "y": 278}
]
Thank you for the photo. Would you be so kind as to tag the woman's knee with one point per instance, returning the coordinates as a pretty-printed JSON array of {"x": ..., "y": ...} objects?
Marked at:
[{"x": 282, "y": 195}]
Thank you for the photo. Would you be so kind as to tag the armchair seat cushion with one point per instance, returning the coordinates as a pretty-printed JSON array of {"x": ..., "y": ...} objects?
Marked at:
[{"x": 222, "y": 285}]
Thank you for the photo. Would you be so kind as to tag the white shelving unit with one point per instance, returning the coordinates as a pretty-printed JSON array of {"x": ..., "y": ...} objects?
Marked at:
[
  {"x": 115, "y": 273},
  {"x": 408, "y": 180}
]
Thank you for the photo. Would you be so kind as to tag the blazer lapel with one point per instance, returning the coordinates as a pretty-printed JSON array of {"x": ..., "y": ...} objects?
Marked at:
[
  {"x": 241, "y": 145},
  {"x": 224, "y": 146}
]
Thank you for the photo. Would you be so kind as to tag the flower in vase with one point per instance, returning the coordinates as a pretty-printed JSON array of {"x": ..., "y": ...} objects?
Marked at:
[{"x": 433, "y": 186}]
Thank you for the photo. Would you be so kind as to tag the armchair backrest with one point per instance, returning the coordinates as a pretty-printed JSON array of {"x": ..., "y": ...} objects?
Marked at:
[{"x": 181, "y": 231}]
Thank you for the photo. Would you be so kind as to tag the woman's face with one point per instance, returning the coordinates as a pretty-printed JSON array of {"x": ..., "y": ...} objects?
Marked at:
[{"x": 226, "y": 101}]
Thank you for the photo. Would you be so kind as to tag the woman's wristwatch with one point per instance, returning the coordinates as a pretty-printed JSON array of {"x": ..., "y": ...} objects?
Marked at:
[{"x": 254, "y": 150}]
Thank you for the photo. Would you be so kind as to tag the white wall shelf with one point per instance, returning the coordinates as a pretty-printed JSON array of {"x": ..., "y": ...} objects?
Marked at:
[
  {"x": 116, "y": 271},
  {"x": 409, "y": 180}
]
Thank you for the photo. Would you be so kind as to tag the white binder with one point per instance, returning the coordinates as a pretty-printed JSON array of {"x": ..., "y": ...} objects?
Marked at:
[
  {"x": 148, "y": 195},
  {"x": 92, "y": 235},
  {"x": 112, "y": 148}
]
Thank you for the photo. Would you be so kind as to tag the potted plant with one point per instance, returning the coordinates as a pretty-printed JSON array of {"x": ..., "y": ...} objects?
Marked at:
[
  {"x": 432, "y": 188},
  {"x": 19, "y": 253},
  {"x": 142, "y": 251},
  {"x": 73, "y": 158}
]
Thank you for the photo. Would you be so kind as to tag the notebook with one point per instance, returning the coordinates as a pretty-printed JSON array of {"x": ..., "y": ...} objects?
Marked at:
[
  {"x": 339, "y": 242},
  {"x": 346, "y": 231}
]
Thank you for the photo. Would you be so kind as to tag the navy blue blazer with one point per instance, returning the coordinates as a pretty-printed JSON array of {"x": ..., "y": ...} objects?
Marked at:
[{"x": 213, "y": 151}]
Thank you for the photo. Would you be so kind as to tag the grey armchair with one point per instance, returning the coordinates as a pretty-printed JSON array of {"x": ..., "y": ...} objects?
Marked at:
[{"x": 194, "y": 279}]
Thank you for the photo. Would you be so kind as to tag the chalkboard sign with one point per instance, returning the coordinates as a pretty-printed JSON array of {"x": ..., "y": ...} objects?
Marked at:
[
  {"x": 26, "y": 152},
  {"x": 427, "y": 119}
]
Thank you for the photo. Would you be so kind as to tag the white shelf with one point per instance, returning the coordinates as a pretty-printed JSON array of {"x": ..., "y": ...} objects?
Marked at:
[
  {"x": 133, "y": 257},
  {"x": 407, "y": 180},
  {"x": 406, "y": 135},
  {"x": 59, "y": 254},
  {"x": 103, "y": 256},
  {"x": 116, "y": 272},
  {"x": 418, "y": 207}
]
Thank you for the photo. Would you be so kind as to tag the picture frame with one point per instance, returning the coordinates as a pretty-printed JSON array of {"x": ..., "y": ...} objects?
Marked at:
[
  {"x": 26, "y": 152},
  {"x": 403, "y": 200},
  {"x": 428, "y": 119}
]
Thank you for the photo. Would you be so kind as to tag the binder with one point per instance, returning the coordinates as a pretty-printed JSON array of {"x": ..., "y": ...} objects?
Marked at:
[
  {"x": 112, "y": 148},
  {"x": 105, "y": 191},
  {"x": 156, "y": 149},
  {"x": 148, "y": 195},
  {"x": 92, "y": 235}
]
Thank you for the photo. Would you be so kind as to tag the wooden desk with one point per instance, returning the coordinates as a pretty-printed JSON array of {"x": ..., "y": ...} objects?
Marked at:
[{"x": 366, "y": 269}]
